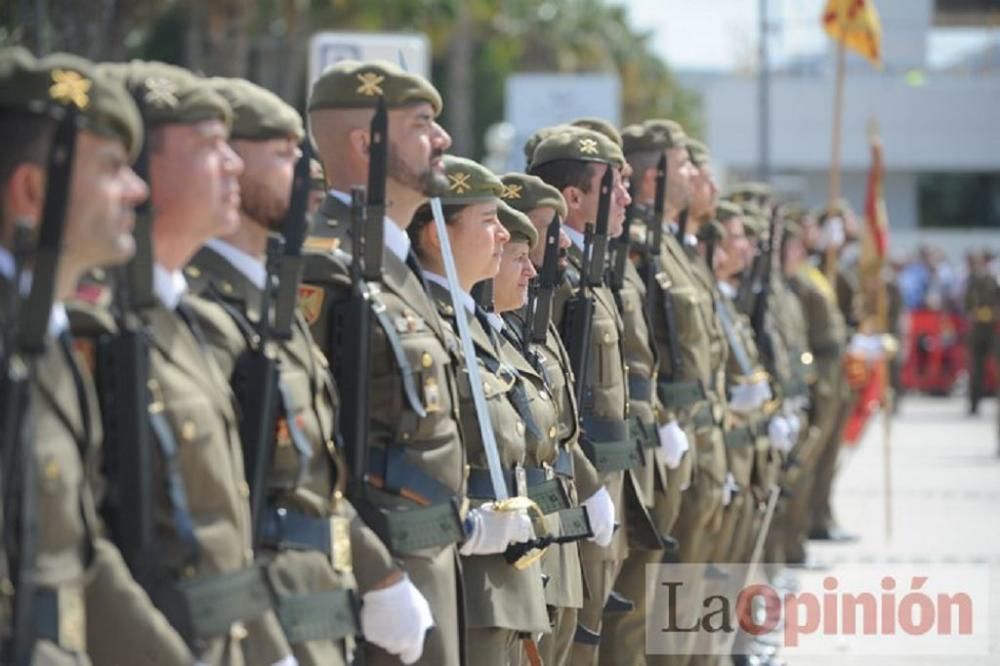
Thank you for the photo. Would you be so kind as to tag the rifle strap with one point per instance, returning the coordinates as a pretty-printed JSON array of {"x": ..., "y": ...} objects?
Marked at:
[
  {"x": 673, "y": 340},
  {"x": 287, "y": 408},
  {"x": 406, "y": 372},
  {"x": 176, "y": 493}
]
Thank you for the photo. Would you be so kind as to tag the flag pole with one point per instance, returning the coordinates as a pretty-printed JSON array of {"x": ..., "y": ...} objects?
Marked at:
[{"x": 829, "y": 263}]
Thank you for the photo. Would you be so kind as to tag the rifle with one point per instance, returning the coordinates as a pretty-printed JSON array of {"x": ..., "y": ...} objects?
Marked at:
[
  {"x": 352, "y": 318},
  {"x": 258, "y": 382},
  {"x": 758, "y": 313},
  {"x": 682, "y": 223},
  {"x": 653, "y": 267},
  {"x": 579, "y": 317},
  {"x": 28, "y": 336},
  {"x": 122, "y": 373},
  {"x": 540, "y": 313},
  {"x": 620, "y": 250}
]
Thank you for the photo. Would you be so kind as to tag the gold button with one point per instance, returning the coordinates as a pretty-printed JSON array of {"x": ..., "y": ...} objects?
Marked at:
[
  {"x": 52, "y": 470},
  {"x": 244, "y": 489},
  {"x": 405, "y": 436},
  {"x": 188, "y": 431},
  {"x": 807, "y": 358},
  {"x": 552, "y": 432},
  {"x": 520, "y": 428},
  {"x": 607, "y": 337},
  {"x": 226, "y": 287},
  {"x": 193, "y": 271},
  {"x": 426, "y": 360}
]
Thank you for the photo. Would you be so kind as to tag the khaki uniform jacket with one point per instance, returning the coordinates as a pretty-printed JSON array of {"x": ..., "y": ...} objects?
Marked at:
[
  {"x": 497, "y": 595},
  {"x": 432, "y": 443},
  {"x": 561, "y": 562},
  {"x": 103, "y": 613},
  {"x": 643, "y": 368},
  {"x": 825, "y": 329},
  {"x": 308, "y": 482},
  {"x": 606, "y": 392},
  {"x": 201, "y": 413}
]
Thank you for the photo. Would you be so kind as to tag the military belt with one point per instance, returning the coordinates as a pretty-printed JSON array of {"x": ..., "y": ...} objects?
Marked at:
[
  {"x": 643, "y": 433},
  {"x": 640, "y": 388},
  {"x": 331, "y": 615},
  {"x": 209, "y": 606},
  {"x": 574, "y": 523},
  {"x": 740, "y": 437},
  {"x": 680, "y": 395},
  {"x": 389, "y": 470},
  {"x": 58, "y": 617},
  {"x": 703, "y": 417},
  {"x": 409, "y": 530},
  {"x": 608, "y": 444},
  {"x": 539, "y": 484},
  {"x": 283, "y": 528}
]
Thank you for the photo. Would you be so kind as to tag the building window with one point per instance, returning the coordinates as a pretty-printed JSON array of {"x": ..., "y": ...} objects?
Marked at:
[{"x": 949, "y": 200}]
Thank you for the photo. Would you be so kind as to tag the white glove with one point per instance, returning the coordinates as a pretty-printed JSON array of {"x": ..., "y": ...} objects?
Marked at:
[
  {"x": 396, "y": 619},
  {"x": 832, "y": 234},
  {"x": 729, "y": 489},
  {"x": 779, "y": 431},
  {"x": 743, "y": 397},
  {"x": 287, "y": 661},
  {"x": 493, "y": 531},
  {"x": 673, "y": 443},
  {"x": 762, "y": 391},
  {"x": 601, "y": 511},
  {"x": 794, "y": 424}
]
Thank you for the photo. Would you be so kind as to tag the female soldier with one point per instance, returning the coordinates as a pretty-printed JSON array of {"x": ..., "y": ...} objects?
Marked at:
[{"x": 502, "y": 601}]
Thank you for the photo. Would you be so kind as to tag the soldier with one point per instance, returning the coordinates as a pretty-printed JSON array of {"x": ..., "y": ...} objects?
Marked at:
[
  {"x": 982, "y": 295},
  {"x": 416, "y": 462},
  {"x": 826, "y": 335},
  {"x": 86, "y": 603},
  {"x": 502, "y": 601},
  {"x": 575, "y": 161},
  {"x": 203, "y": 537},
  {"x": 315, "y": 545},
  {"x": 691, "y": 352},
  {"x": 564, "y": 594},
  {"x": 657, "y": 440}
]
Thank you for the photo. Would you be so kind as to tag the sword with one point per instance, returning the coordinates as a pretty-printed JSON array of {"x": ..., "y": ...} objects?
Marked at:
[{"x": 472, "y": 367}]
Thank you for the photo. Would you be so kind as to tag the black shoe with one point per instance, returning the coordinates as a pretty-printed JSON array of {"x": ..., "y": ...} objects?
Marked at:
[{"x": 832, "y": 534}]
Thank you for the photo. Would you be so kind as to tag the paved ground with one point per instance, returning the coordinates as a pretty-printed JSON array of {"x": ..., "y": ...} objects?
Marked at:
[{"x": 946, "y": 507}]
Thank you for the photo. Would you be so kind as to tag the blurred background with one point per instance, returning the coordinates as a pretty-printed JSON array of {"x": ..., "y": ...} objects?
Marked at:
[{"x": 753, "y": 78}]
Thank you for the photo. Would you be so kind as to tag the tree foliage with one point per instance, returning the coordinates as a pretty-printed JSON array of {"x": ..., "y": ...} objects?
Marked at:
[{"x": 265, "y": 40}]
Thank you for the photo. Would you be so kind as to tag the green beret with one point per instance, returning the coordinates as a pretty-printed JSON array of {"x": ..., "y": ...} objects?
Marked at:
[
  {"x": 526, "y": 193},
  {"x": 578, "y": 144},
  {"x": 517, "y": 224},
  {"x": 793, "y": 211},
  {"x": 352, "y": 84},
  {"x": 727, "y": 210},
  {"x": 48, "y": 85},
  {"x": 664, "y": 130},
  {"x": 698, "y": 152},
  {"x": 599, "y": 125},
  {"x": 169, "y": 94},
  {"x": 750, "y": 191},
  {"x": 469, "y": 182},
  {"x": 258, "y": 114},
  {"x": 711, "y": 232},
  {"x": 754, "y": 221},
  {"x": 536, "y": 138}
]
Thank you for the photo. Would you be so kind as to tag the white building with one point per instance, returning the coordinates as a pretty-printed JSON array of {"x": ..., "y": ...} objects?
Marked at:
[{"x": 940, "y": 129}]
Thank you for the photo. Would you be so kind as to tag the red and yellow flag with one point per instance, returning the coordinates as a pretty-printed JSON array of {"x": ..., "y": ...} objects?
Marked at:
[
  {"x": 857, "y": 25},
  {"x": 876, "y": 219}
]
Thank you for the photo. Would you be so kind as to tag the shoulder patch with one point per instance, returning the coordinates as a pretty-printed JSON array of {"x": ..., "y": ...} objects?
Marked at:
[{"x": 311, "y": 302}]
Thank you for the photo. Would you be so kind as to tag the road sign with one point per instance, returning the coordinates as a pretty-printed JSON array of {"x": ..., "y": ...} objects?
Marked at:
[{"x": 411, "y": 51}]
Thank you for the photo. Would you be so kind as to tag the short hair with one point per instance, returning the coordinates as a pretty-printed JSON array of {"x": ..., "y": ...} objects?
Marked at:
[
  {"x": 561, "y": 174},
  {"x": 424, "y": 217}
]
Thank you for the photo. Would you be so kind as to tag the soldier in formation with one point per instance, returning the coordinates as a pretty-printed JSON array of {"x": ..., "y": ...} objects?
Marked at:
[{"x": 379, "y": 404}]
